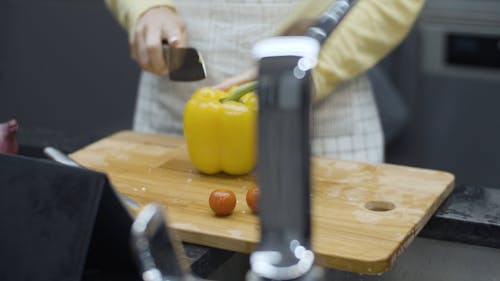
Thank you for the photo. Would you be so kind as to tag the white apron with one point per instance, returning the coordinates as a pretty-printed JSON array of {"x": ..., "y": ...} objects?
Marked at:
[{"x": 345, "y": 125}]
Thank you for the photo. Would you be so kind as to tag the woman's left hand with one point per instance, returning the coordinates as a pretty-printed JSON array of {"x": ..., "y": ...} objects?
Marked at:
[
  {"x": 239, "y": 79},
  {"x": 298, "y": 28}
]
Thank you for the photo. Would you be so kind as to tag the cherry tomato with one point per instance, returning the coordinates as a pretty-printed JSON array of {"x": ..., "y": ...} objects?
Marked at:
[
  {"x": 222, "y": 202},
  {"x": 253, "y": 198}
]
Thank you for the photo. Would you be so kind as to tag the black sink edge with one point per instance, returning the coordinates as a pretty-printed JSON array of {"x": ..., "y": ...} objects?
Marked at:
[{"x": 470, "y": 215}]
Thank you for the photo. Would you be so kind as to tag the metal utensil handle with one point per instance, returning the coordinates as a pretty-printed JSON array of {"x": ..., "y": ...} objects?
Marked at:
[{"x": 60, "y": 157}]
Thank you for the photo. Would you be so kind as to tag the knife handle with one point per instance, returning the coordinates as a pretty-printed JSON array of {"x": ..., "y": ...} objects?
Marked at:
[
  {"x": 166, "y": 50},
  {"x": 173, "y": 56}
]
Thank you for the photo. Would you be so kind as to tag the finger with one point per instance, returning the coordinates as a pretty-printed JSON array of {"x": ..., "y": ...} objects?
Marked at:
[
  {"x": 183, "y": 41},
  {"x": 228, "y": 83},
  {"x": 155, "y": 51},
  {"x": 175, "y": 35},
  {"x": 299, "y": 27},
  {"x": 142, "y": 50},
  {"x": 237, "y": 80},
  {"x": 134, "y": 44}
]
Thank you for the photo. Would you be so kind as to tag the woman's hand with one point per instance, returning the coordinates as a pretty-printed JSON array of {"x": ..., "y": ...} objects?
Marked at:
[
  {"x": 242, "y": 78},
  {"x": 298, "y": 28},
  {"x": 154, "y": 26}
]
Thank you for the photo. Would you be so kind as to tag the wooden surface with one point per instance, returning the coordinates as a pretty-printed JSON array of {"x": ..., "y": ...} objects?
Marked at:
[{"x": 346, "y": 235}]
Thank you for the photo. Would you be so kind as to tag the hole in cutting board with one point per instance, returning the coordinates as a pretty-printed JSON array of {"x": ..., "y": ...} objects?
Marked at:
[{"x": 380, "y": 206}]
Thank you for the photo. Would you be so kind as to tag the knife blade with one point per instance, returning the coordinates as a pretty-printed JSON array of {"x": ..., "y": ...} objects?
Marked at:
[{"x": 184, "y": 64}]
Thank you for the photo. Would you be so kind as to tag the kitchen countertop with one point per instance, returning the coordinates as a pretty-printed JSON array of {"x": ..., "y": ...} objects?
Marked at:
[{"x": 470, "y": 215}]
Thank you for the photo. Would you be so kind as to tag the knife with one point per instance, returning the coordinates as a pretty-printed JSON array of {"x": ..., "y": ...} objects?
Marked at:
[
  {"x": 184, "y": 64},
  {"x": 62, "y": 158}
]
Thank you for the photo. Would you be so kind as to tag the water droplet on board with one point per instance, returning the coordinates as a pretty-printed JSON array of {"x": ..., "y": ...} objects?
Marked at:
[
  {"x": 143, "y": 189},
  {"x": 235, "y": 233},
  {"x": 135, "y": 189}
]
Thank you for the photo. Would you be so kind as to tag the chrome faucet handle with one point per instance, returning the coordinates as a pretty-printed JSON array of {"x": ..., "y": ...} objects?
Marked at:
[
  {"x": 157, "y": 249},
  {"x": 266, "y": 264}
]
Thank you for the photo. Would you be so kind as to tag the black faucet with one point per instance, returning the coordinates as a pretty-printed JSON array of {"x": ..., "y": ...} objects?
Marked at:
[{"x": 285, "y": 91}]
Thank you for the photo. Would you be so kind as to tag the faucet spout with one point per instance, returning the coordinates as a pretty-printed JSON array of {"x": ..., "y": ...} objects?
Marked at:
[{"x": 285, "y": 88}]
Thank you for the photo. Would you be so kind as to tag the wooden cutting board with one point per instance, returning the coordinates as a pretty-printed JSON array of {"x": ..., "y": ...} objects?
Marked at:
[{"x": 347, "y": 235}]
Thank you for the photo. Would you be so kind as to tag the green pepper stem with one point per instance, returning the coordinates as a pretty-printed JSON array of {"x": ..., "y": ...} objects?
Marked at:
[{"x": 240, "y": 91}]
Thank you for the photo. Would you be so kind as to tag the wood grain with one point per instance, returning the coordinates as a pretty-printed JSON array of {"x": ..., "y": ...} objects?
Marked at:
[{"x": 346, "y": 235}]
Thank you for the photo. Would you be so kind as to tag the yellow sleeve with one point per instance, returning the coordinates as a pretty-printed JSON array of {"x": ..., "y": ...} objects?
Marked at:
[
  {"x": 367, "y": 34},
  {"x": 127, "y": 12}
]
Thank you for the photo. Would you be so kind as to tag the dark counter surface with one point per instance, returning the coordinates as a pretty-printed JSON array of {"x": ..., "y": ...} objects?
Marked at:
[{"x": 470, "y": 215}]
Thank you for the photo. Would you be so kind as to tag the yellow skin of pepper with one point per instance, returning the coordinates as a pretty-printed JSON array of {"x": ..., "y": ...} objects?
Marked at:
[{"x": 221, "y": 136}]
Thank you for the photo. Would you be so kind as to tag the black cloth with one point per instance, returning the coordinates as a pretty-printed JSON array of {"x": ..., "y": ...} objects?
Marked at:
[{"x": 60, "y": 223}]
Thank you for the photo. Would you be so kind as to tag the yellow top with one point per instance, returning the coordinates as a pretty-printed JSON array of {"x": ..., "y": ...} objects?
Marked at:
[{"x": 368, "y": 33}]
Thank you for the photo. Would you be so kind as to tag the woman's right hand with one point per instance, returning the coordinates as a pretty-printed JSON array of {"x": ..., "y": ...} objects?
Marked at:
[{"x": 154, "y": 26}]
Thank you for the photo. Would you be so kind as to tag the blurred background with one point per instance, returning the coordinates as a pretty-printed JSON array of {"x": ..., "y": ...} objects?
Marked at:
[{"x": 67, "y": 77}]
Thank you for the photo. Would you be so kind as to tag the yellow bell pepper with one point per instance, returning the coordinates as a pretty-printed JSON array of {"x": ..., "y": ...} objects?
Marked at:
[{"x": 220, "y": 129}]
